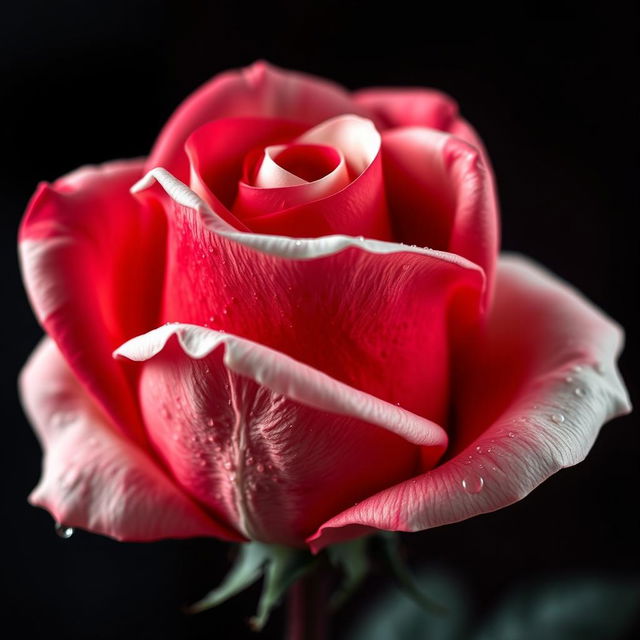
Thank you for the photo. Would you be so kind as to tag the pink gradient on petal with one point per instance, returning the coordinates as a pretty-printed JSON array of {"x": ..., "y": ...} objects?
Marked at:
[
  {"x": 93, "y": 263},
  {"x": 93, "y": 478},
  {"x": 264, "y": 441},
  {"x": 261, "y": 90},
  {"x": 441, "y": 195},
  {"x": 519, "y": 419}
]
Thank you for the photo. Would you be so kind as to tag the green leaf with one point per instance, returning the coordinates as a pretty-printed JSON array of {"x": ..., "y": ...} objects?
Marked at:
[
  {"x": 285, "y": 566},
  {"x": 593, "y": 608},
  {"x": 351, "y": 558},
  {"x": 396, "y": 617},
  {"x": 390, "y": 546},
  {"x": 248, "y": 568}
]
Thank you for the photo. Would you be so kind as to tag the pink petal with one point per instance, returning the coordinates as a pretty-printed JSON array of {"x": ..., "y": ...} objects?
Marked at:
[
  {"x": 93, "y": 262},
  {"x": 93, "y": 478},
  {"x": 269, "y": 443},
  {"x": 217, "y": 151},
  {"x": 260, "y": 90},
  {"x": 349, "y": 307},
  {"x": 534, "y": 396},
  {"x": 440, "y": 194},
  {"x": 407, "y": 107}
]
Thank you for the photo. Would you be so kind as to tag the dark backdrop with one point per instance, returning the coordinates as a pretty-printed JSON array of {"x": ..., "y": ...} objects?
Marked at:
[{"x": 554, "y": 99}]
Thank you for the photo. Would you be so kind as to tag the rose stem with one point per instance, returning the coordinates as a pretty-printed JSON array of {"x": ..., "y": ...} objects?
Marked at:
[{"x": 308, "y": 610}]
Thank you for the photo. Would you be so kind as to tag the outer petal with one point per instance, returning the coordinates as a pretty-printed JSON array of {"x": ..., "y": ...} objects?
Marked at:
[
  {"x": 542, "y": 383},
  {"x": 267, "y": 442},
  {"x": 407, "y": 107},
  {"x": 440, "y": 194},
  {"x": 348, "y": 307},
  {"x": 93, "y": 265},
  {"x": 261, "y": 90},
  {"x": 92, "y": 477}
]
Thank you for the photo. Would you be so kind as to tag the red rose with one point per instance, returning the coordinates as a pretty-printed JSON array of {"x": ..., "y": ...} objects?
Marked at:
[{"x": 315, "y": 338}]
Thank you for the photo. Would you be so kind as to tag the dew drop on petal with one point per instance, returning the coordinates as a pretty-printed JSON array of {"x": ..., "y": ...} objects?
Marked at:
[
  {"x": 62, "y": 531},
  {"x": 209, "y": 422},
  {"x": 511, "y": 434},
  {"x": 558, "y": 418},
  {"x": 473, "y": 483},
  {"x": 577, "y": 368},
  {"x": 579, "y": 391},
  {"x": 260, "y": 467},
  {"x": 298, "y": 243},
  {"x": 569, "y": 379}
]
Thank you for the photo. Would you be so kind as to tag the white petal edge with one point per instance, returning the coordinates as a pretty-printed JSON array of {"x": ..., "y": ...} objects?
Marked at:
[
  {"x": 288, "y": 377},
  {"x": 547, "y": 428},
  {"x": 284, "y": 246},
  {"x": 93, "y": 478}
]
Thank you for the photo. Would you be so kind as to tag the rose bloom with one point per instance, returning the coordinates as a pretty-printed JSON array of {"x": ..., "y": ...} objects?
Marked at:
[{"x": 290, "y": 323}]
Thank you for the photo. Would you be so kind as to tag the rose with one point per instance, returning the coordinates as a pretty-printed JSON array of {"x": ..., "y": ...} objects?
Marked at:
[{"x": 317, "y": 378}]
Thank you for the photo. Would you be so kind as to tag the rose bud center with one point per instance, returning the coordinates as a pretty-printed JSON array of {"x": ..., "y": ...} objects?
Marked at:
[{"x": 293, "y": 174}]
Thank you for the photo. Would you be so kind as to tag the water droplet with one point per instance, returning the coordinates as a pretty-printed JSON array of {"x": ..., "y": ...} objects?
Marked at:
[
  {"x": 489, "y": 449},
  {"x": 212, "y": 318},
  {"x": 569, "y": 379},
  {"x": 260, "y": 467},
  {"x": 511, "y": 434},
  {"x": 479, "y": 449},
  {"x": 62, "y": 531},
  {"x": 360, "y": 238},
  {"x": 468, "y": 460},
  {"x": 209, "y": 422},
  {"x": 298, "y": 243},
  {"x": 558, "y": 418},
  {"x": 473, "y": 483},
  {"x": 577, "y": 368},
  {"x": 225, "y": 311},
  {"x": 227, "y": 465},
  {"x": 579, "y": 391},
  {"x": 250, "y": 460}
]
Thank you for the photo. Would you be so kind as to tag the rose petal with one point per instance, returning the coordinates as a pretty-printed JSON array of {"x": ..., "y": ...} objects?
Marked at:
[
  {"x": 357, "y": 209},
  {"x": 217, "y": 151},
  {"x": 408, "y": 107},
  {"x": 267, "y": 442},
  {"x": 350, "y": 308},
  {"x": 440, "y": 194},
  {"x": 260, "y": 90},
  {"x": 92, "y": 477},
  {"x": 543, "y": 382},
  {"x": 93, "y": 263}
]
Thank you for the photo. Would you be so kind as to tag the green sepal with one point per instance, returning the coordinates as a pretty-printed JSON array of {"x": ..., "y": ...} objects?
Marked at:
[
  {"x": 390, "y": 548},
  {"x": 248, "y": 568},
  {"x": 352, "y": 560},
  {"x": 285, "y": 566}
]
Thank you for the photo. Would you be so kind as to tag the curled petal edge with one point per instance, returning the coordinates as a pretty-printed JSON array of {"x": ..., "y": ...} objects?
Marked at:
[
  {"x": 548, "y": 427},
  {"x": 287, "y": 377}
]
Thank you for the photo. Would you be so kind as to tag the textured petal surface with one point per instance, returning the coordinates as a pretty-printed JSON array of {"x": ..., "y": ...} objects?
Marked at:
[
  {"x": 440, "y": 194},
  {"x": 260, "y": 90},
  {"x": 535, "y": 394},
  {"x": 93, "y": 262},
  {"x": 93, "y": 478},
  {"x": 269, "y": 443},
  {"x": 350, "y": 308}
]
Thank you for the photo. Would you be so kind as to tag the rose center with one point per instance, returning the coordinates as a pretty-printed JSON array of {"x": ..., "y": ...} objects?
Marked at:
[{"x": 288, "y": 175}]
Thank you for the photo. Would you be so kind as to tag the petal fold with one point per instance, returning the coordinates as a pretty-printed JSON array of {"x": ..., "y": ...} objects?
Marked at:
[
  {"x": 269, "y": 444},
  {"x": 537, "y": 389},
  {"x": 93, "y": 264},
  {"x": 93, "y": 478}
]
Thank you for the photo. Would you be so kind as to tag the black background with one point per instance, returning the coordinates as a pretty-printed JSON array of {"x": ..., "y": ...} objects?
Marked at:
[{"x": 555, "y": 101}]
